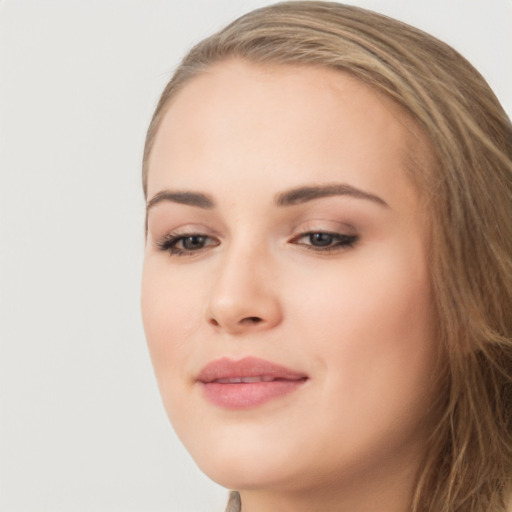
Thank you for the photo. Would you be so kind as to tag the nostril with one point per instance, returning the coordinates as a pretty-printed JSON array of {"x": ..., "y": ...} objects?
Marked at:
[
  {"x": 248, "y": 320},
  {"x": 251, "y": 320}
]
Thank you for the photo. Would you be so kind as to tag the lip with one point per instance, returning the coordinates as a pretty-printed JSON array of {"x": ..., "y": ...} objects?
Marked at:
[{"x": 247, "y": 382}]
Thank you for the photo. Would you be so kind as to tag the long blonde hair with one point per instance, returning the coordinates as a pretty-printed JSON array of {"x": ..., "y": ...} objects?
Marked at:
[{"x": 469, "y": 196}]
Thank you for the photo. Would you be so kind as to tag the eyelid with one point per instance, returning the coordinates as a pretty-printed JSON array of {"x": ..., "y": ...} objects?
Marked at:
[
  {"x": 164, "y": 229},
  {"x": 338, "y": 241},
  {"x": 325, "y": 226},
  {"x": 167, "y": 241},
  {"x": 342, "y": 236}
]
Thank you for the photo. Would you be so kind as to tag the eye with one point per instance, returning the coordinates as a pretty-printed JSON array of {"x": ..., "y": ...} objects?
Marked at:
[
  {"x": 187, "y": 243},
  {"x": 325, "y": 241}
]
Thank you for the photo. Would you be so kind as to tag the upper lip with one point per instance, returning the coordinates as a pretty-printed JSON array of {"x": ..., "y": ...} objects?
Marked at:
[{"x": 248, "y": 369}]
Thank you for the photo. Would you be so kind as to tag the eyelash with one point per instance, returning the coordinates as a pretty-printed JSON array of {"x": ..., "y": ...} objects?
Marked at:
[
  {"x": 170, "y": 243},
  {"x": 342, "y": 241}
]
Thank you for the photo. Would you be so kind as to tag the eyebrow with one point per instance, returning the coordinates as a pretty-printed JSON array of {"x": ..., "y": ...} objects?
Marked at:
[
  {"x": 309, "y": 193},
  {"x": 291, "y": 197},
  {"x": 197, "y": 199}
]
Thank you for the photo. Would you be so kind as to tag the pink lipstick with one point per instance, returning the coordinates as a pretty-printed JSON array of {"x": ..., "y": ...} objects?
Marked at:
[{"x": 248, "y": 382}]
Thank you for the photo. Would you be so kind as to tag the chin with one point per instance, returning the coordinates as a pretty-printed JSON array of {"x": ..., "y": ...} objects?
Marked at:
[
  {"x": 255, "y": 462},
  {"x": 236, "y": 473},
  {"x": 247, "y": 464}
]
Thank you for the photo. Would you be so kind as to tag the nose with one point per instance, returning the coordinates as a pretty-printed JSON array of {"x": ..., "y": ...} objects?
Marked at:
[{"x": 244, "y": 297}]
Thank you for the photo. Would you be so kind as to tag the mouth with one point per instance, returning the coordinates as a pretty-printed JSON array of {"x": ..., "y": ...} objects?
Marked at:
[
  {"x": 247, "y": 383},
  {"x": 238, "y": 380}
]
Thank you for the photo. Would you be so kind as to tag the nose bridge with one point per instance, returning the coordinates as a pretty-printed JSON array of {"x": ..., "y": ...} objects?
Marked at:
[{"x": 243, "y": 296}]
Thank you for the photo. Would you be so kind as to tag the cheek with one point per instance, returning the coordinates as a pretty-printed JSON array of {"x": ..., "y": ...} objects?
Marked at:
[
  {"x": 170, "y": 316},
  {"x": 372, "y": 320},
  {"x": 368, "y": 334}
]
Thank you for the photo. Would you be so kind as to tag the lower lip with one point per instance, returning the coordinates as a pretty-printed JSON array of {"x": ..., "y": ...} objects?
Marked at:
[{"x": 251, "y": 394}]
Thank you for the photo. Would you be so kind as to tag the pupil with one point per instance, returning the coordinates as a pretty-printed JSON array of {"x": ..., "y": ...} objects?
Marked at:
[
  {"x": 194, "y": 242},
  {"x": 320, "y": 239}
]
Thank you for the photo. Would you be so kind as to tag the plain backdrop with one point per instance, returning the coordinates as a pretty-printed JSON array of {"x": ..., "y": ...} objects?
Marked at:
[{"x": 82, "y": 428}]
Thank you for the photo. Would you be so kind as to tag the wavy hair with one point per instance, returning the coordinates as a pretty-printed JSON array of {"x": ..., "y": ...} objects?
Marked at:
[{"x": 468, "y": 192}]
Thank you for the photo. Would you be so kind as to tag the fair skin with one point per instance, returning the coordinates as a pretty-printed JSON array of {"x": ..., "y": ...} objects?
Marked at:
[{"x": 331, "y": 282}]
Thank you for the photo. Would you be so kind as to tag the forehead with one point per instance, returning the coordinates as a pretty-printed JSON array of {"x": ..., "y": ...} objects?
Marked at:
[{"x": 303, "y": 114}]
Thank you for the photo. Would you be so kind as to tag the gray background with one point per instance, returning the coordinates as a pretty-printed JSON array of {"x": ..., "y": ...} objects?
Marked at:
[{"x": 82, "y": 428}]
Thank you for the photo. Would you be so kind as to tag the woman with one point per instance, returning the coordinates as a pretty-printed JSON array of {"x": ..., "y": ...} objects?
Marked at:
[{"x": 327, "y": 288}]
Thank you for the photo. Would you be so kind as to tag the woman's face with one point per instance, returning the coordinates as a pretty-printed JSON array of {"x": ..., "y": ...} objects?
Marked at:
[{"x": 286, "y": 296}]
